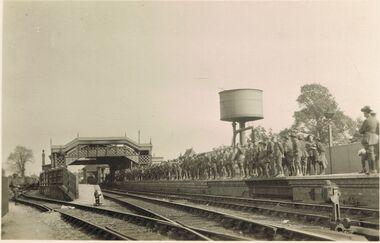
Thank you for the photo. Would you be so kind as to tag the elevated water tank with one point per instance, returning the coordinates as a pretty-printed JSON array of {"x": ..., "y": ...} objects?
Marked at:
[{"x": 241, "y": 105}]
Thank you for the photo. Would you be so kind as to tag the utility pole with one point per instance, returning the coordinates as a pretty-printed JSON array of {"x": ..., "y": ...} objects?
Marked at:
[{"x": 329, "y": 115}]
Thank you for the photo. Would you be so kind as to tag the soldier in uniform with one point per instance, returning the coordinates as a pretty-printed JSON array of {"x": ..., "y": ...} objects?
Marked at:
[
  {"x": 219, "y": 164},
  {"x": 297, "y": 153},
  {"x": 224, "y": 162},
  {"x": 205, "y": 167},
  {"x": 370, "y": 138},
  {"x": 183, "y": 168},
  {"x": 288, "y": 164},
  {"x": 247, "y": 164},
  {"x": 213, "y": 165},
  {"x": 270, "y": 158},
  {"x": 228, "y": 159},
  {"x": 304, "y": 156},
  {"x": 311, "y": 148},
  {"x": 255, "y": 159},
  {"x": 262, "y": 160},
  {"x": 179, "y": 167},
  {"x": 186, "y": 167},
  {"x": 321, "y": 158},
  {"x": 278, "y": 154},
  {"x": 239, "y": 157},
  {"x": 197, "y": 164}
]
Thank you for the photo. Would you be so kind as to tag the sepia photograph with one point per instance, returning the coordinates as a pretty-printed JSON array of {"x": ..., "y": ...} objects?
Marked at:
[{"x": 190, "y": 120}]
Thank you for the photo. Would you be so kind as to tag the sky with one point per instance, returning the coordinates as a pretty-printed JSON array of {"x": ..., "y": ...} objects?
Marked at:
[{"x": 112, "y": 68}]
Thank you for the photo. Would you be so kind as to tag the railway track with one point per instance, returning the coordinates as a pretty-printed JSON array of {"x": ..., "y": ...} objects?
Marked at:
[
  {"x": 232, "y": 224},
  {"x": 97, "y": 230},
  {"x": 180, "y": 231},
  {"x": 363, "y": 217},
  {"x": 111, "y": 222}
]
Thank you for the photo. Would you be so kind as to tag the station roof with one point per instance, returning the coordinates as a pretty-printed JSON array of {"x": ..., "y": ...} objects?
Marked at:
[{"x": 101, "y": 141}]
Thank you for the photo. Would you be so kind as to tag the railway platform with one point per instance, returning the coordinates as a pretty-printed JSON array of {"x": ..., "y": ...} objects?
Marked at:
[{"x": 357, "y": 190}]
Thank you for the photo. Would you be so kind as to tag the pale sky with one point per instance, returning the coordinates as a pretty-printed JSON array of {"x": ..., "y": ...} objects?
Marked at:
[{"x": 106, "y": 68}]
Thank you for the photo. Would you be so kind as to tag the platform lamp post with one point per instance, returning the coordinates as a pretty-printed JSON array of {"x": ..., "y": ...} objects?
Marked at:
[{"x": 329, "y": 115}]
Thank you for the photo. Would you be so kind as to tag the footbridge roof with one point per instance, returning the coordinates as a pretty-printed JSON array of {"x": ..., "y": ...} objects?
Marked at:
[{"x": 101, "y": 141}]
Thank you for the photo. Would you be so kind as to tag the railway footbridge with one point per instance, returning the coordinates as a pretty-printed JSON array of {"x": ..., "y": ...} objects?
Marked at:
[{"x": 116, "y": 152}]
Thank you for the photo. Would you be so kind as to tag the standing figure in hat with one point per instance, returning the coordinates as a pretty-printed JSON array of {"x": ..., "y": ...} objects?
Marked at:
[
  {"x": 297, "y": 155},
  {"x": 270, "y": 156},
  {"x": 288, "y": 163},
  {"x": 313, "y": 154},
  {"x": 321, "y": 156},
  {"x": 262, "y": 160},
  {"x": 278, "y": 152},
  {"x": 305, "y": 154},
  {"x": 370, "y": 138}
]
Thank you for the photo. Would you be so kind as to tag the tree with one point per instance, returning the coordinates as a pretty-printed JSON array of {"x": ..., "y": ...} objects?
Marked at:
[
  {"x": 284, "y": 132},
  {"x": 314, "y": 101},
  {"x": 259, "y": 134},
  {"x": 18, "y": 159}
]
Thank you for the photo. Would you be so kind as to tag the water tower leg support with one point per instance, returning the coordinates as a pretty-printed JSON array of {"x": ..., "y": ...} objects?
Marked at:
[
  {"x": 242, "y": 133},
  {"x": 233, "y": 134}
]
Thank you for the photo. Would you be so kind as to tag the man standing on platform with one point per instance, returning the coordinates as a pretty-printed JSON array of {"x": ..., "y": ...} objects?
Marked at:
[
  {"x": 278, "y": 152},
  {"x": 304, "y": 155},
  {"x": 288, "y": 153},
  {"x": 271, "y": 161},
  {"x": 370, "y": 138},
  {"x": 321, "y": 156},
  {"x": 311, "y": 148},
  {"x": 297, "y": 153},
  {"x": 262, "y": 160}
]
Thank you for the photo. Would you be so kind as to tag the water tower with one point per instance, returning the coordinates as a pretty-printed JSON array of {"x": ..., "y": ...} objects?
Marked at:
[{"x": 240, "y": 106}]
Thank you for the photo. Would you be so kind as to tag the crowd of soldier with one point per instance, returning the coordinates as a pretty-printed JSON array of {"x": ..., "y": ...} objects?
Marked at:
[{"x": 273, "y": 157}]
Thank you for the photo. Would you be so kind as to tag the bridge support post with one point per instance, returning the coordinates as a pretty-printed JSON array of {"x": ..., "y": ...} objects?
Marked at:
[
  {"x": 84, "y": 176},
  {"x": 99, "y": 175}
]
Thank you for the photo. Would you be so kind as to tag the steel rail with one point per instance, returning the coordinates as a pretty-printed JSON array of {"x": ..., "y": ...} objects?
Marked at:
[
  {"x": 40, "y": 207},
  {"x": 272, "y": 231},
  {"x": 104, "y": 232},
  {"x": 212, "y": 234},
  {"x": 324, "y": 207},
  {"x": 246, "y": 205},
  {"x": 163, "y": 226},
  {"x": 93, "y": 228}
]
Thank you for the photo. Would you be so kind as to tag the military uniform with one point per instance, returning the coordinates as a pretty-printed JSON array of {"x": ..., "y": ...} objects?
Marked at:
[
  {"x": 278, "y": 154},
  {"x": 270, "y": 159},
  {"x": 311, "y": 148},
  {"x": 219, "y": 164},
  {"x": 262, "y": 160},
  {"x": 247, "y": 164},
  {"x": 321, "y": 158},
  {"x": 213, "y": 165},
  {"x": 288, "y": 153},
  {"x": 227, "y": 156},
  {"x": 239, "y": 158},
  {"x": 370, "y": 138},
  {"x": 297, "y": 153},
  {"x": 305, "y": 155}
]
